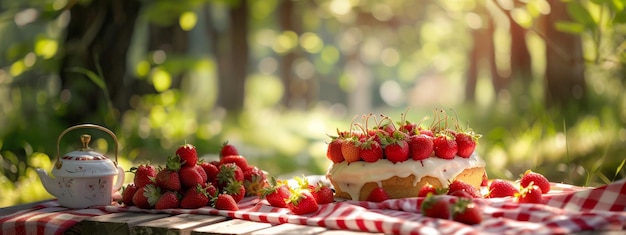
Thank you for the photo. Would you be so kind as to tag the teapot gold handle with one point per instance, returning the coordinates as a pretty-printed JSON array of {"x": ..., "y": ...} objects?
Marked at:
[{"x": 93, "y": 126}]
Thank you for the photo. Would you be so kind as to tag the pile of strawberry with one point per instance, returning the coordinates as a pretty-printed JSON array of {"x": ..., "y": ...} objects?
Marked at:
[
  {"x": 186, "y": 182},
  {"x": 300, "y": 199},
  {"x": 461, "y": 208},
  {"x": 528, "y": 189},
  {"x": 401, "y": 141}
]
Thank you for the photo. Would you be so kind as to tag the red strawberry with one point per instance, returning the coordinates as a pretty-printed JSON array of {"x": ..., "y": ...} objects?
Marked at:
[
  {"x": 429, "y": 189},
  {"x": 501, "y": 188},
  {"x": 445, "y": 146},
  {"x": 322, "y": 193},
  {"x": 168, "y": 200},
  {"x": 187, "y": 154},
  {"x": 421, "y": 146},
  {"x": 239, "y": 160},
  {"x": 128, "y": 193},
  {"x": 302, "y": 202},
  {"x": 538, "y": 179},
  {"x": 202, "y": 173},
  {"x": 427, "y": 132},
  {"x": 144, "y": 175},
  {"x": 225, "y": 202},
  {"x": 388, "y": 127},
  {"x": 485, "y": 181},
  {"x": 146, "y": 196},
  {"x": 378, "y": 194},
  {"x": 215, "y": 163},
  {"x": 277, "y": 193},
  {"x": 210, "y": 170},
  {"x": 195, "y": 197},
  {"x": 254, "y": 180},
  {"x": 465, "y": 211},
  {"x": 235, "y": 189},
  {"x": 397, "y": 150},
  {"x": 457, "y": 185},
  {"x": 451, "y": 133},
  {"x": 350, "y": 150},
  {"x": 168, "y": 180},
  {"x": 168, "y": 177},
  {"x": 376, "y": 135},
  {"x": 334, "y": 150},
  {"x": 228, "y": 149},
  {"x": 436, "y": 207},
  {"x": 462, "y": 194},
  {"x": 408, "y": 128},
  {"x": 211, "y": 190},
  {"x": 228, "y": 172},
  {"x": 466, "y": 142},
  {"x": 190, "y": 176},
  {"x": 370, "y": 151},
  {"x": 530, "y": 194}
]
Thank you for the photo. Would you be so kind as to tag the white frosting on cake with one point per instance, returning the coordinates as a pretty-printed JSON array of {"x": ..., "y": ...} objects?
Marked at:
[{"x": 352, "y": 176}]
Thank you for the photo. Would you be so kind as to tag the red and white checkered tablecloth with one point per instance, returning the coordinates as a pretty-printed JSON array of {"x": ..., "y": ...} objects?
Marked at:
[{"x": 569, "y": 209}]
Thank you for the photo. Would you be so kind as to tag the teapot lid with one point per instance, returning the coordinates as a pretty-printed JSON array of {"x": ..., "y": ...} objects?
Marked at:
[
  {"x": 85, "y": 153},
  {"x": 85, "y": 162}
]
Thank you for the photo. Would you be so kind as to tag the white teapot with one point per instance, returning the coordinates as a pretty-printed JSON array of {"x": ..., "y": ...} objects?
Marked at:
[{"x": 83, "y": 178}]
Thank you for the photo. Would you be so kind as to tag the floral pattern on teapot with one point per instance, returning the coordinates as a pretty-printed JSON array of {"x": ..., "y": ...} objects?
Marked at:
[
  {"x": 96, "y": 191},
  {"x": 66, "y": 186},
  {"x": 92, "y": 189}
]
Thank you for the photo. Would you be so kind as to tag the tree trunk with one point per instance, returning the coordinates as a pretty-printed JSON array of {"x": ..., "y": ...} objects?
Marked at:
[
  {"x": 483, "y": 50},
  {"x": 472, "y": 68},
  {"x": 520, "y": 73},
  {"x": 239, "y": 59},
  {"x": 285, "y": 21},
  {"x": 98, "y": 36},
  {"x": 296, "y": 90},
  {"x": 233, "y": 62},
  {"x": 218, "y": 45},
  {"x": 565, "y": 78},
  {"x": 499, "y": 82},
  {"x": 520, "y": 56}
]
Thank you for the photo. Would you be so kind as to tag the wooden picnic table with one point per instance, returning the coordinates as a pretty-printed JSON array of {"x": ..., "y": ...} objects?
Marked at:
[{"x": 194, "y": 224}]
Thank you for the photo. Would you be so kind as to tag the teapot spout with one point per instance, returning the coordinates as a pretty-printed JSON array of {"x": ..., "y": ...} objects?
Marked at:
[{"x": 48, "y": 182}]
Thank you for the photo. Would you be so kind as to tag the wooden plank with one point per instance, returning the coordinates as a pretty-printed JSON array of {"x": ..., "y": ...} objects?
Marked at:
[
  {"x": 179, "y": 224},
  {"x": 290, "y": 229},
  {"x": 232, "y": 227},
  {"x": 115, "y": 223},
  {"x": 12, "y": 209}
]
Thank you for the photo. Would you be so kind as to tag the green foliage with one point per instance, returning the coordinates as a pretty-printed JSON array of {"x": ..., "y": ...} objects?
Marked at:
[
  {"x": 406, "y": 43},
  {"x": 599, "y": 20},
  {"x": 166, "y": 12}
]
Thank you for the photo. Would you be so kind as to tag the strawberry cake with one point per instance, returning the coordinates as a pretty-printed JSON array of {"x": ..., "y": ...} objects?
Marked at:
[{"x": 402, "y": 158}]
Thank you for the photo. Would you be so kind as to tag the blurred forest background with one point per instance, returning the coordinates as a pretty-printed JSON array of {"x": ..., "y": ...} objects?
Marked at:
[{"x": 541, "y": 80}]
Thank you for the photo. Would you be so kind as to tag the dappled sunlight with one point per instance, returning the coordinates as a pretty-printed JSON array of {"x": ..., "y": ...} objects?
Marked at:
[
  {"x": 46, "y": 48},
  {"x": 285, "y": 42},
  {"x": 263, "y": 91},
  {"x": 311, "y": 42},
  {"x": 278, "y": 78},
  {"x": 188, "y": 20}
]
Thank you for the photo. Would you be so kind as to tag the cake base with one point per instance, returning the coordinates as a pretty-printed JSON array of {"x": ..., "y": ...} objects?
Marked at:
[{"x": 398, "y": 187}]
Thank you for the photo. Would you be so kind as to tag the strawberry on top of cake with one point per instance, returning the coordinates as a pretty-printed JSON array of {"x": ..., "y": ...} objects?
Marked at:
[{"x": 402, "y": 157}]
